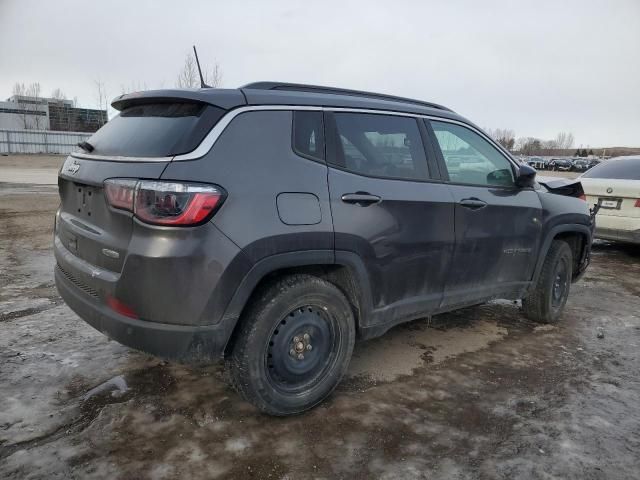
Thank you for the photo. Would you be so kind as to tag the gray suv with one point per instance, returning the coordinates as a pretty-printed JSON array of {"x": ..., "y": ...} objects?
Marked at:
[{"x": 275, "y": 224}]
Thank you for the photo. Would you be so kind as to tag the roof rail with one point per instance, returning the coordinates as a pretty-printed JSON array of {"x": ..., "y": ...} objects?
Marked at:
[{"x": 299, "y": 87}]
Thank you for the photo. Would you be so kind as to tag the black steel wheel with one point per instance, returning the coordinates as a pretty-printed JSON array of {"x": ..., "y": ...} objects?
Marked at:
[
  {"x": 294, "y": 345},
  {"x": 561, "y": 281},
  {"x": 545, "y": 303},
  {"x": 301, "y": 349}
]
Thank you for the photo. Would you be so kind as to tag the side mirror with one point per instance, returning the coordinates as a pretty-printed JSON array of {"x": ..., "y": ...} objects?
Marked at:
[
  {"x": 503, "y": 177},
  {"x": 526, "y": 176}
]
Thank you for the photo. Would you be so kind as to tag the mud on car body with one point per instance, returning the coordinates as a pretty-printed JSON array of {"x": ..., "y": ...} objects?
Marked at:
[{"x": 274, "y": 224}]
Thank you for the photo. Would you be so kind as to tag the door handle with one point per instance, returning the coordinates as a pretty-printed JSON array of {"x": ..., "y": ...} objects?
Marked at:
[
  {"x": 362, "y": 199},
  {"x": 473, "y": 203}
]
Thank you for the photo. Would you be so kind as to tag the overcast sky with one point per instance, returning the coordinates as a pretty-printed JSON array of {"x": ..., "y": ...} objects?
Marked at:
[{"x": 537, "y": 67}]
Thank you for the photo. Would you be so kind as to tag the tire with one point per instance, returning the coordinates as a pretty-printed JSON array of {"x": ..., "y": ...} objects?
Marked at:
[
  {"x": 546, "y": 302},
  {"x": 294, "y": 345}
]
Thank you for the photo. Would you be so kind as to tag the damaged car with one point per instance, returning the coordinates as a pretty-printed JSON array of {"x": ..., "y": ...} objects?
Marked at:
[{"x": 273, "y": 225}]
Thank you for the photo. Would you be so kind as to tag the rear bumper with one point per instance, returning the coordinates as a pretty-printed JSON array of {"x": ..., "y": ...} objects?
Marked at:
[
  {"x": 630, "y": 236},
  {"x": 183, "y": 343},
  {"x": 617, "y": 228}
]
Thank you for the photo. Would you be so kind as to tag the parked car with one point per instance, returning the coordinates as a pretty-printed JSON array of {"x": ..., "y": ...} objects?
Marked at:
[
  {"x": 274, "y": 224},
  {"x": 592, "y": 162},
  {"x": 580, "y": 165},
  {"x": 561, "y": 164},
  {"x": 614, "y": 186},
  {"x": 538, "y": 163}
]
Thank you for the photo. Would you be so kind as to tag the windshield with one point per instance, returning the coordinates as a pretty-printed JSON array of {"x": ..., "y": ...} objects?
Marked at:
[
  {"x": 623, "y": 169},
  {"x": 156, "y": 129}
]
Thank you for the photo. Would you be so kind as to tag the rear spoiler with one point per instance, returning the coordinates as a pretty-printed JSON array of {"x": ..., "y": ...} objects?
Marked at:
[{"x": 219, "y": 97}]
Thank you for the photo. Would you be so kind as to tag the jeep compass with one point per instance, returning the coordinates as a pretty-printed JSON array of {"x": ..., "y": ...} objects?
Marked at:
[{"x": 273, "y": 225}]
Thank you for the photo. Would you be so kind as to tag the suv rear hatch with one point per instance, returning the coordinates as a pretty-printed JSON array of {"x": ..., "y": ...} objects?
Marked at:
[
  {"x": 86, "y": 225},
  {"x": 136, "y": 144}
]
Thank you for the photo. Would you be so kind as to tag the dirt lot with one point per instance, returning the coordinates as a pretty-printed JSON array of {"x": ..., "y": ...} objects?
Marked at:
[
  {"x": 31, "y": 169},
  {"x": 481, "y": 393}
]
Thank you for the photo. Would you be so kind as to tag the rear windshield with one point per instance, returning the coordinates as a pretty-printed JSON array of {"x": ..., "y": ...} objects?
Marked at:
[
  {"x": 627, "y": 169},
  {"x": 156, "y": 130}
]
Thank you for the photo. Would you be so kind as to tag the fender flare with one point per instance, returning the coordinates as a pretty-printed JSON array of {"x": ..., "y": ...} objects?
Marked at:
[
  {"x": 270, "y": 264},
  {"x": 551, "y": 234}
]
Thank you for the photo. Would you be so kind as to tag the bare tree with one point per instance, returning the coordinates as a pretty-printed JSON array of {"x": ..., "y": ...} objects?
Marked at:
[
  {"x": 28, "y": 102},
  {"x": 213, "y": 77},
  {"x": 34, "y": 92},
  {"x": 568, "y": 143},
  {"x": 534, "y": 146},
  {"x": 102, "y": 97},
  {"x": 19, "y": 91},
  {"x": 564, "y": 140},
  {"x": 529, "y": 146},
  {"x": 504, "y": 136},
  {"x": 548, "y": 147},
  {"x": 100, "y": 94},
  {"x": 190, "y": 78},
  {"x": 58, "y": 94}
]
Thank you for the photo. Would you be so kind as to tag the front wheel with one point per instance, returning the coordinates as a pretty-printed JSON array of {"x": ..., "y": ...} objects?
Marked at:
[
  {"x": 549, "y": 296},
  {"x": 294, "y": 345}
]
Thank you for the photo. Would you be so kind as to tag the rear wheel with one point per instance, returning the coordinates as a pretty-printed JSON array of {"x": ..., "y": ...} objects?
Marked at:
[
  {"x": 294, "y": 345},
  {"x": 546, "y": 302}
]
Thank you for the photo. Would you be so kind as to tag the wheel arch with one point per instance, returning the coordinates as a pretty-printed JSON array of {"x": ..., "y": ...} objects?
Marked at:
[
  {"x": 345, "y": 270},
  {"x": 579, "y": 239}
]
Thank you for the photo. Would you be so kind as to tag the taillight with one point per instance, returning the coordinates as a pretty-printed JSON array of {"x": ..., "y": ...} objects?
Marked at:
[
  {"x": 120, "y": 193},
  {"x": 582, "y": 197},
  {"x": 637, "y": 203},
  {"x": 165, "y": 203},
  {"x": 169, "y": 203}
]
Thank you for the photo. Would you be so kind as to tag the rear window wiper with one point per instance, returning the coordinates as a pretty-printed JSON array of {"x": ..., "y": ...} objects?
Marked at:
[{"x": 86, "y": 146}]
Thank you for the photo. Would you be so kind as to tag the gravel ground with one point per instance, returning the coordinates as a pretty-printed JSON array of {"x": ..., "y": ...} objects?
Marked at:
[
  {"x": 30, "y": 169},
  {"x": 480, "y": 393}
]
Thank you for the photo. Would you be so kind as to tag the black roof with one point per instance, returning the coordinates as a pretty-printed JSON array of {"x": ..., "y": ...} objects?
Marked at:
[{"x": 278, "y": 93}]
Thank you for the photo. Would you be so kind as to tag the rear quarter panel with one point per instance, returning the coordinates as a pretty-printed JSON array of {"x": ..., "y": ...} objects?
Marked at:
[{"x": 254, "y": 162}]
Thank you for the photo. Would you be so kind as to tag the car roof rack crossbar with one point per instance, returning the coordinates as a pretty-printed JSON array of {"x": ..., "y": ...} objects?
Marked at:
[{"x": 299, "y": 87}]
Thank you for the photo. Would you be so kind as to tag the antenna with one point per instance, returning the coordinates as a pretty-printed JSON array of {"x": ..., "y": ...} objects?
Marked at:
[{"x": 202, "y": 84}]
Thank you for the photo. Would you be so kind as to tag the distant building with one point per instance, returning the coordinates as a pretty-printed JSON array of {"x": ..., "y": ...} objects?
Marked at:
[
  {"x": 30, "y": 113},
  {"x": 20, "y": 113}
]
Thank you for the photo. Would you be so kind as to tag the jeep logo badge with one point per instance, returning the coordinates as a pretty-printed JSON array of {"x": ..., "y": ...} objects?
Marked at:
[{"x": 73, "y": 168}]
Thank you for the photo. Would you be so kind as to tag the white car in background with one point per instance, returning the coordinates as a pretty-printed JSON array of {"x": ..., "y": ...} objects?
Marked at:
[{"x": 614, "y": 185}]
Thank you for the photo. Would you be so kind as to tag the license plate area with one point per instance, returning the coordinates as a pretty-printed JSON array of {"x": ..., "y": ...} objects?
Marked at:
[
  {"x": 84, "y": 200},
  {"x": 610, "y": 203}
]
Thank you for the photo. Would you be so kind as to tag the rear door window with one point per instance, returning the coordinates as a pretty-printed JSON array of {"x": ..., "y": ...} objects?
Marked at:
[
  {"x": 156, "y": 129},
  {"x": 308, "y": 134},
  {"x": 379, "y": 145}
]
